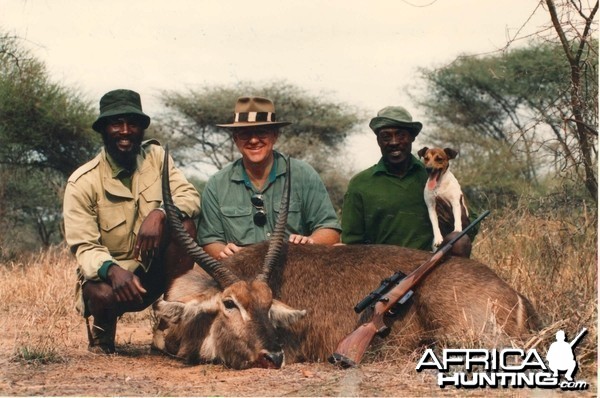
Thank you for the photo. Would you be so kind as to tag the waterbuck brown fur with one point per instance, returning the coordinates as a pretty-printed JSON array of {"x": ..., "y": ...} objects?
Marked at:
[{"x": 277, "y": 303}]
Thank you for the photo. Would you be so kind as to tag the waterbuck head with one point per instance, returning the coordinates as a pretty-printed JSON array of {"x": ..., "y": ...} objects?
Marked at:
[{"x": 222, "y": 318}]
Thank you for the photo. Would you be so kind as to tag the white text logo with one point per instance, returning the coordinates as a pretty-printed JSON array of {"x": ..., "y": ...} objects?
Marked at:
[{"x": 511, "y": 367}]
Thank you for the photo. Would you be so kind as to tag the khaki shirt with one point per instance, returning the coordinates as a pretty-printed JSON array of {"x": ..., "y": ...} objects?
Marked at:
[{"x": 102, "y": 216}]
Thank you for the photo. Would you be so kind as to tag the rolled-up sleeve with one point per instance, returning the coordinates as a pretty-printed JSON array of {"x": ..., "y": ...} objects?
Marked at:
[{"x": 353, "y": 225}]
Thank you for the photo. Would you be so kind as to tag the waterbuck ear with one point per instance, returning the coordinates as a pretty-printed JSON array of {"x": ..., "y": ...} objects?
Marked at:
[
  {"x": 175, "y": 311},
  {"x": 283, "y": 315},
  {"x": 170, "y": 311}
]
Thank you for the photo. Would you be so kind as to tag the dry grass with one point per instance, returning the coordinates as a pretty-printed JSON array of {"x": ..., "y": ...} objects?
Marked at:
[
  {"x": 37, "y": 301},
  {"x": 551, "y": 261},
  {"x": 36, "y": 293}
]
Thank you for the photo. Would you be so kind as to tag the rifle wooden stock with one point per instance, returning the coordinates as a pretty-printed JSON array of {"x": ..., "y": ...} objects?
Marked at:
[{"x": 351, "y": 349}]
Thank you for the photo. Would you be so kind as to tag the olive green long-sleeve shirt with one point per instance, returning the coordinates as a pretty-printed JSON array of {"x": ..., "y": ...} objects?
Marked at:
[{"x": 380, "y": 207}]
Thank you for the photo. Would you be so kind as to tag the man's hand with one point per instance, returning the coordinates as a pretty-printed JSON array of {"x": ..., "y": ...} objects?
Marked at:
[
  {"x": 229, "y": 250},
  {"x": 150, "y": 234},
  {"x": 301, "y": 239},
  {"x": 126, "y": 286},
  {"x": 220, "y": 250},
  {"x": 321, "y": 236}
]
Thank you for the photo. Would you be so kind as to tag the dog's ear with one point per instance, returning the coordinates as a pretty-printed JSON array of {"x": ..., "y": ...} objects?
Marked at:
[
  {"x": 451, "y": 153},
  {"x": 422, "y": 151}
]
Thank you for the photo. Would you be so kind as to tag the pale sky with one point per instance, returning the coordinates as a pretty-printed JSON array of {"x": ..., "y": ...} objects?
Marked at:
[{"x": 354, "y": 51}]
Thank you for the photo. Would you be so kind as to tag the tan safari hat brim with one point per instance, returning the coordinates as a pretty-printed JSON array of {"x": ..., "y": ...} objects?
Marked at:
[{"x": 252, "y": 112}]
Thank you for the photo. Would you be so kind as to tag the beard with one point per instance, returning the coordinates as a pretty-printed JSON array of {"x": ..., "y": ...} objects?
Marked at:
[{"x": 127, "y": 160}]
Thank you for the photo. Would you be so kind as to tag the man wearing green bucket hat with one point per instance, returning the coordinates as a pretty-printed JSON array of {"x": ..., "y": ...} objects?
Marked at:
[
  {"x": 384, "y": 203},
  {"x": 114, "y": 223}
]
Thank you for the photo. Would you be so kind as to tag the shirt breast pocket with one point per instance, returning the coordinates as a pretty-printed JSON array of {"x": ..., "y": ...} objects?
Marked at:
[
  {"x": 114, "y": 231},
  {"x": 237, "y": 224},
  {"x": 152, "y": 198},
  {"x": 294, "y": 219}
]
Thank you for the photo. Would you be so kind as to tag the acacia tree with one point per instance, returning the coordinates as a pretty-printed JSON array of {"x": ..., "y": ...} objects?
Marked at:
[
  {"x": 319, "y": 127},
  {"x": 42, "y": 124},
  {"x": 520, "y": 103},
  {"x": 573, "y": 23},
  {"x": 45, "y": 134}
]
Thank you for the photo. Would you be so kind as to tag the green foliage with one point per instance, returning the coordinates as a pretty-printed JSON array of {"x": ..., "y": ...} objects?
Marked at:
[
  {"x": 42, "y": 124},
  {"x": 45, "y": 133},
  {"x": 37, "y": 356},
  {"x": 32, "y": 207},
  {"x": 198, "y": 183},
  {"x": 508, "y": 115},
  {"x": 490, "y": 95}
]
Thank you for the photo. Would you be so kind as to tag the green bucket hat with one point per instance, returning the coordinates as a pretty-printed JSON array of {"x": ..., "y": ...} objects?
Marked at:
[
  {"x": 120, "y": 102},
  {"x": 395, "y": 116}
]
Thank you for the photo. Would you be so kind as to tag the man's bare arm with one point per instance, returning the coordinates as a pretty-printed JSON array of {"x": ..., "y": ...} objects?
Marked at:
[
  {"x": 322, "y": 236},
  {"x": 220, "y": 250}
]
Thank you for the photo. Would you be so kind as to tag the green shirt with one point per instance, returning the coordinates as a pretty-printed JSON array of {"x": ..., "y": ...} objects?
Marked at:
[
  {"x": 380, "y": 207},
  {"x": 227, "y": 213}
]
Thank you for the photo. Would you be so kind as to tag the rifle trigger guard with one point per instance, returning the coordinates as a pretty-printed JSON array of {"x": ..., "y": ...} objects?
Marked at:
[{"x": 383, "y": 332}]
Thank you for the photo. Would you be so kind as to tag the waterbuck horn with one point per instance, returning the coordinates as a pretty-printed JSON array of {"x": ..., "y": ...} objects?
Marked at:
[
  {"x": 222, "y": 275},
  {"x": 278, "y": 242}
]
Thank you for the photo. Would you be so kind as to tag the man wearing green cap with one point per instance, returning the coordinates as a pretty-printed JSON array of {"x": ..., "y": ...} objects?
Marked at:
[
  {"x": 384, "y": 203},
  {"x": 114, "y": 223}
]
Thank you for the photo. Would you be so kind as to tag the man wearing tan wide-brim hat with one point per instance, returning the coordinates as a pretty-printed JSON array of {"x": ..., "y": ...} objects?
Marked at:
[{"x": 241, "y": 201}]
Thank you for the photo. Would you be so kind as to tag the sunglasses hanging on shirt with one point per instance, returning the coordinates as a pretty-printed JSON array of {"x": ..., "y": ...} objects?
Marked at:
[{"x": 260, "y": 217}]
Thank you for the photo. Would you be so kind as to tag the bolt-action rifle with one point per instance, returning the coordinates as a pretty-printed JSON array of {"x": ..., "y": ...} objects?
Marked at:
[
  {"x": 351, "y": 349},
  {"x": 384, "y": 287}
]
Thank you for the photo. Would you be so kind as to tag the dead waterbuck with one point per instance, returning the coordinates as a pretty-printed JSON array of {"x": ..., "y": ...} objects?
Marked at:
[{"x": 274, "y": 302}]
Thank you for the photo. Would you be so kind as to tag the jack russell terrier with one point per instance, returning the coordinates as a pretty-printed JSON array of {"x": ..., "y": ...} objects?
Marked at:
[{"x": 443, "y": 195}]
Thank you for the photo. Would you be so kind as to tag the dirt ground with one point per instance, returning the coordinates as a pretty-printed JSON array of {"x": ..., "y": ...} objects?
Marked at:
[{"x": 136, "y": 371}]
